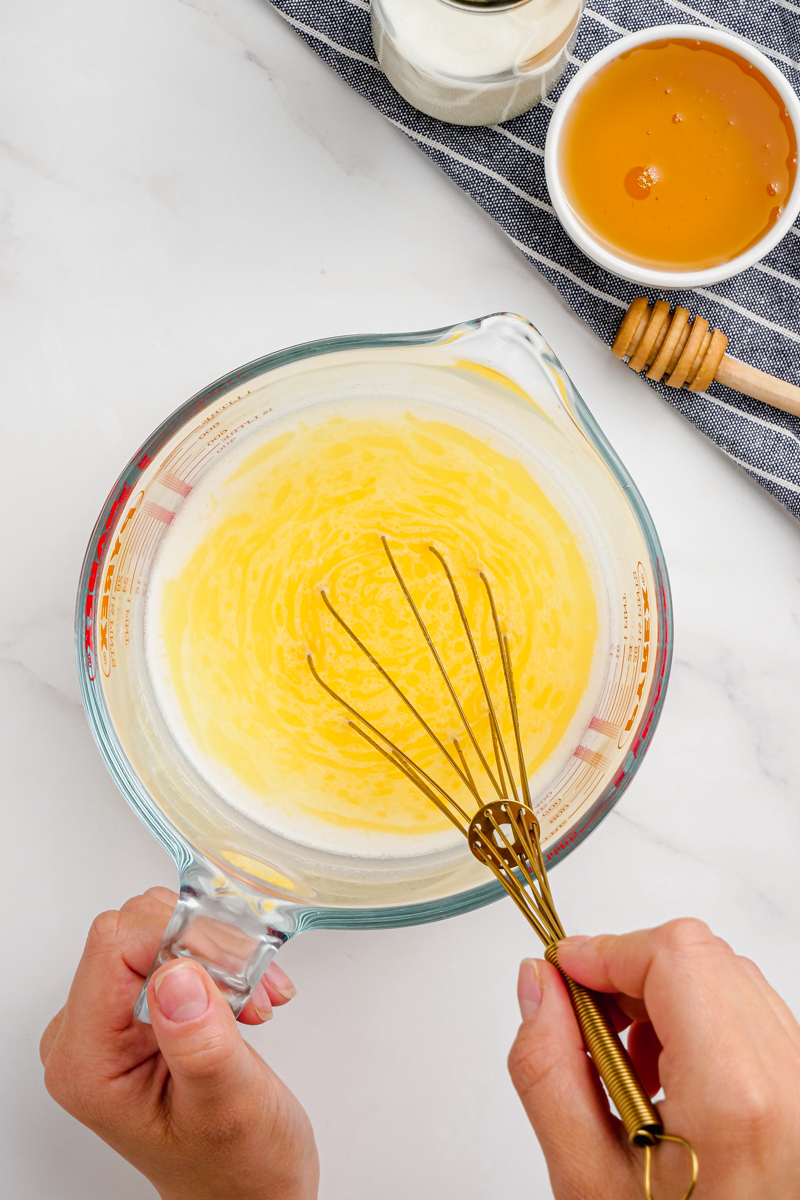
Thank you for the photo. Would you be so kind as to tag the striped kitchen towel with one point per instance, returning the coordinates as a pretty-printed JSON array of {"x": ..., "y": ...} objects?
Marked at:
[{"x": 502, "y": 169}]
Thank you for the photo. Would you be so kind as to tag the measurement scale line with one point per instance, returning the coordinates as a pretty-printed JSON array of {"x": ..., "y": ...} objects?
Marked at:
[
  {"x": 610, "y": 682},
  {"x": 138, "y": 549},
  {"x": 626, "y": 688}
]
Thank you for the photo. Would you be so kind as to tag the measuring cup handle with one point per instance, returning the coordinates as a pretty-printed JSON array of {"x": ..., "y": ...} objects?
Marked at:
[{"x": 219, "y": 925}]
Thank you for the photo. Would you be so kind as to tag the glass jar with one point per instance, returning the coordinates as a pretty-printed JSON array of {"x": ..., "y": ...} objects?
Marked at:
[{"x": 474, "y": 62}]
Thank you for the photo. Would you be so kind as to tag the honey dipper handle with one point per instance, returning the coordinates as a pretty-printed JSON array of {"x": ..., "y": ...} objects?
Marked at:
[
  {"x": 752, "y": 382},
  {"x": 642, "y": 1123}
]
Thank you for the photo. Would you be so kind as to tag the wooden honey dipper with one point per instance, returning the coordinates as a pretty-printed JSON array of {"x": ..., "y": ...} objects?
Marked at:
[{"x": 689, "y": 352}]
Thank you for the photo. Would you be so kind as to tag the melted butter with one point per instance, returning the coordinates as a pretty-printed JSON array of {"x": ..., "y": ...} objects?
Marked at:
[
  {"x": 678, "y": 154},
  {"x": 237, "y": 615}
]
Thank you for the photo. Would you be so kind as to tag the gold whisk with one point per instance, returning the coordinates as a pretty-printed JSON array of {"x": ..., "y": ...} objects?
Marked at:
[{"x": 504, "y": 835}]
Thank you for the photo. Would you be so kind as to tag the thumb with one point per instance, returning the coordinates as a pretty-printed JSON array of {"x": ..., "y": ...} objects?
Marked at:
[
  {"x": 198, "y": 1037},
  {"x": 586, "y": 1153}
]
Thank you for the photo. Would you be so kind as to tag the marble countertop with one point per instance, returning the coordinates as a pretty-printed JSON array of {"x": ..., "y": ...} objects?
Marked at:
[{"x": 184, "y": 186}]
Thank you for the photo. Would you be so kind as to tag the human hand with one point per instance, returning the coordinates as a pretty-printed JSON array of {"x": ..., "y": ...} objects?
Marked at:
[
  {"x": 186, "y": 1100},
  {"x": 706, "y": 1025}
]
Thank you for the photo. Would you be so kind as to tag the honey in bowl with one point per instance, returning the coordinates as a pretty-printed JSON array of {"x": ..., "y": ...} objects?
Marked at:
[
  {"x": 678, "y": 155},
  {"x": 234, "y": 609}
]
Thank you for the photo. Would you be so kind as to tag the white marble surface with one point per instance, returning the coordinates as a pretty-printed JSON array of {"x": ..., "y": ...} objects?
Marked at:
[{"x": 184, "y": 186}]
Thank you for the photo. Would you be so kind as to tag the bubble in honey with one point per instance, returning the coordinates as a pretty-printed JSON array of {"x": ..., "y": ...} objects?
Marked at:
[
  {"x": 676, "y": 118},
  {"x": 773, "y": 189},
  {"x": 640, "y": 180}
]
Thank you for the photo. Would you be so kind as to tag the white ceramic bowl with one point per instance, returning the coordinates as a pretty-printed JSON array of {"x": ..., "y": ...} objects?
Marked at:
[{"x": 578, "y": 231}]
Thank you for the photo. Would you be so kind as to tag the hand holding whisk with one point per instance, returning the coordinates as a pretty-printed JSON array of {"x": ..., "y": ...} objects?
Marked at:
[{"x": 504, "y": 835}]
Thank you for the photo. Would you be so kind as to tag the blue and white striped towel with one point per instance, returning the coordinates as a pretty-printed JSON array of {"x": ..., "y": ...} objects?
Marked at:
[{"x": 502, "y": 169}]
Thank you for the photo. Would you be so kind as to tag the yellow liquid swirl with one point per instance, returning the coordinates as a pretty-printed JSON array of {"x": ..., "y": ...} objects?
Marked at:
[{"x": 239, "y": 614}]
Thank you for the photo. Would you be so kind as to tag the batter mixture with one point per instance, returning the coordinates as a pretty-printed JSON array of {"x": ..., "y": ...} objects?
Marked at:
[{"x": 234, "y": 610}]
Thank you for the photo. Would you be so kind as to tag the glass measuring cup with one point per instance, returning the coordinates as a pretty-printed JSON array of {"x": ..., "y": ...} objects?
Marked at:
[{"x": 244, "y": 889}]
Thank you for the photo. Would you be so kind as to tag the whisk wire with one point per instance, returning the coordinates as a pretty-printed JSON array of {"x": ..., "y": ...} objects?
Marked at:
[
  {"x": 517, "y": 864},
  {"x": 437, "y": 658},
  {"x": 464, "y": 762},
  {"x": 520, "y": 897},
  {"x": 523, "y": 855},
  {"x": 498, "y": 762},
  {"x": 398, "y": 690},
  {"x": 497, "y": 737},
  {"x": 533, "y": 856},
  {"x": 535, "y": 875},
  {"x": 396, "y": 749},
  {"x": 508, "y": 674},
  {"x": 512, "y": 703},
  {"x": 533, "y": 860},
  {"x": 418, "y": 777}
]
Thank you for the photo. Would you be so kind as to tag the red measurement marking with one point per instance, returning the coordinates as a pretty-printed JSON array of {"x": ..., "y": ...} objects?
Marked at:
[
  {"x": 144, "y": 462},
  {"x": 157, "y": 512},
  {"x": 666, "y": 626},
  {"x": 604, "y": 727},
  {"x": 592, "y": 758},
  {"x": 646, "y": 729},
  {"x": 174, "y": 483},
  {"x": 556, "y": 850},
  {"x": 89, "y": 615}
]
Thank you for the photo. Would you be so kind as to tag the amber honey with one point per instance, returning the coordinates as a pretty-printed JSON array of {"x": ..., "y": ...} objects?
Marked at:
[{"x": 678, "y": 155}]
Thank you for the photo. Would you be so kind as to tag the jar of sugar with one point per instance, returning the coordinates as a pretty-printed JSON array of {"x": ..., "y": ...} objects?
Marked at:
[{"x": 474, "y": 62}]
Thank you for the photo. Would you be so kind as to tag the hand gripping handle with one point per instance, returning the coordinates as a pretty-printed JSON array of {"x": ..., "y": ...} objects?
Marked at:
[
  {"x": 642, "y": 1123},
  {"x": 229, "y": 929},
  {"x": 639, "y": 1116}
]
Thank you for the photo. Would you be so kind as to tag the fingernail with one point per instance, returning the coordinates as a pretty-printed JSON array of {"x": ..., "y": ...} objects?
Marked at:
[
  {"x": 261, "y": 1001},
  {"x": 181, "y": 993},
  {"x": 529, "y": 988},
  {"x": 576, "y": 940},
  {"x": 280, "y": 981}
]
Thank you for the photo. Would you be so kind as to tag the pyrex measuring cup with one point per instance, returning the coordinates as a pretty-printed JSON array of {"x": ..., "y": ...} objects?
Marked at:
[{"x": 243, "y": 889}]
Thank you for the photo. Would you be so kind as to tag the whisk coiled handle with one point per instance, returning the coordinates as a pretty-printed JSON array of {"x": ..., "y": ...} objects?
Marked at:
[{"x": 642, "y": 1123}]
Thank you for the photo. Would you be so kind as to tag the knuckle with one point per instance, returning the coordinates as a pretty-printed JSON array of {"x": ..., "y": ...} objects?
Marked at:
[
  {"x": 56, "y": 1078},
  {"x": 66, "y": 1084},
  {"x": 162, "y": 894},
  {"x": 48, "y": 1039},
  {"x": 753, "y": 1111},
  {"x": 687, "y": 934},
  {"x": 154, "y": 900},
  {"x": 751, "y": 969},
  {"x": 104, "y": 931}
]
